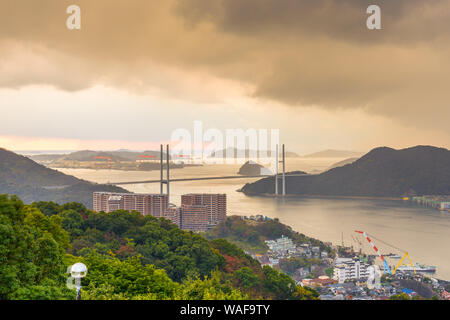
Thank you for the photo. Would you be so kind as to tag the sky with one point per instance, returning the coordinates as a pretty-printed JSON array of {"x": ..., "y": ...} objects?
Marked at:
[{"x": 138, "y": 70}]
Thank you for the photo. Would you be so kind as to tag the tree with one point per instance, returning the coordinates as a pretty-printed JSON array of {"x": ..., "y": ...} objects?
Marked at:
[
  {"x": 208, "y": 289},
  {"x": 305, "y": 293},
  {"x": 47, "y": 290},
  {"x": 72, "y": 222},
  {"x": 401, "y": 296},
  {"x": 109, "y": 277},
  {"x": 47, "y": 208},
  {"x": 112, "y": 279},
  {"x": 129, "y": 256},
  {"x": 282, "y": 287},
  {"x": 32, "y": 248},
  {"x": 329, "y": 272},
  {"x": 246, "y": 277},
  {"x": 291, "y": 265}
]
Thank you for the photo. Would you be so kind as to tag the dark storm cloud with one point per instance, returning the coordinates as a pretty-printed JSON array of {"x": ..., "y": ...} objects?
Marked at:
[
  {"x": 315, "y": 52},
  {"x": 404, "y": 20},
  {"x": 321, "y": 53}
]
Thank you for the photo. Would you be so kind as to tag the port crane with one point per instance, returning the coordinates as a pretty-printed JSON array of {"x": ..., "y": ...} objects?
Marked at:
[
  {"x": 358, "y": 242},
  {"x": 386, "y": 267}
]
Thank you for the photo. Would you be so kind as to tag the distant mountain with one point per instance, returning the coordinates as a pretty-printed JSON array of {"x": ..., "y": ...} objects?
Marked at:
[
  {"x": 342, "y": 163},
  {"x": 134, "y": 155},
  {"x": 334, "y": 154},
  {"x": 290, "y": 154},
  {"x": 42, "y": 152},
  {"x": 234, "y": 152},
  {"x": 46, "y": 157},
  {"x": 383, "y": 172},
  {"x": 33, "y": 182},
  {"x": 90, "y": 155}
]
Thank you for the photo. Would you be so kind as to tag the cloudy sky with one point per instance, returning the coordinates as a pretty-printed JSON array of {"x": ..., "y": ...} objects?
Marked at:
[{"x": 139, "y": 69}]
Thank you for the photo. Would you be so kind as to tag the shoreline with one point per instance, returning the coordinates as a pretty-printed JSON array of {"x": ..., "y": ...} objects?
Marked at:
[
  {"x": 311, "y": 196},
  {"x": 308, "y": 196}
]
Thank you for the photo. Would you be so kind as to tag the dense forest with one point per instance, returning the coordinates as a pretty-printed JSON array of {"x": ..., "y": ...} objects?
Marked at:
[
  {"x": 128, "y": 256},
  {"x": 383, "y": 172}
]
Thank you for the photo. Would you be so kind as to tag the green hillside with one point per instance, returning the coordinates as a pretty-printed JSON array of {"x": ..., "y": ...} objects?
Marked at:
[
  {"x": 251, "y": 235},
  {"x": 128, "y": 256}
]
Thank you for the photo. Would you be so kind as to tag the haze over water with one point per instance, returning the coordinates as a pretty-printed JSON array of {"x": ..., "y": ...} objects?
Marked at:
[{"x": 423, "y": 232}]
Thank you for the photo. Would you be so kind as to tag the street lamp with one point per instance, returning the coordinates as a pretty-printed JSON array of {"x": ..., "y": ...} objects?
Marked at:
[{"x": 78, "y": 271}]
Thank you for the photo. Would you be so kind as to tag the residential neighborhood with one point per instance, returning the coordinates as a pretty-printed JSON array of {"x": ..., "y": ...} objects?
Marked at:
[{"x": 346, "y": 277}]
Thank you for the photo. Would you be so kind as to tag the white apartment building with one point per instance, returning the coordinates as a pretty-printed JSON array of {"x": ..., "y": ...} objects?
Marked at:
[
  {"x": 445, "y": 205},
  {"x": 350, "y": 269},
  {"x": 283, "y": 244}
]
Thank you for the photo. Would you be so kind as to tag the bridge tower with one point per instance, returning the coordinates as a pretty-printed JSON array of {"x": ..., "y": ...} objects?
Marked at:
[
  {"x": 283, "y": 175},
  {"x": 276, "y": 169},
  {"x": 284, "y": 172},
  {"x": 167, "y": 180}
]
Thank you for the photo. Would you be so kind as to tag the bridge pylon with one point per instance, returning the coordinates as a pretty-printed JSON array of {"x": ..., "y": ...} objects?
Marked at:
[
  {"x": 167, "y": 180},
  {"x": 283, "y": 175}
]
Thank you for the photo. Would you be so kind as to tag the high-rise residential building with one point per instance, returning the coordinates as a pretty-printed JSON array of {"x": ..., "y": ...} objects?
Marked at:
[
  {"x": 174, "y": 214},
  {"x": 216, "y": 205},
  {"x": 194, "y": 217},
  {"x": 198, "y": 212},
  {"x": 146, "y": 204}
]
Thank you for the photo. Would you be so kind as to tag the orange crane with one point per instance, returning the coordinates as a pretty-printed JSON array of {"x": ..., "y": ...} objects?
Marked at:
[{"x": 385, "y": 264}]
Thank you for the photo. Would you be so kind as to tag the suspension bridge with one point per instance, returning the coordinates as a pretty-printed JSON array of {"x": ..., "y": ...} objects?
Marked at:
[{"x": 167, "y": 180}]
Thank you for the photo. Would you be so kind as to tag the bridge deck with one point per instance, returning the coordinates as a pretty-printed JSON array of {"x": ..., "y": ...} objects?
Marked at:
[{"x": 206, "y": 178}]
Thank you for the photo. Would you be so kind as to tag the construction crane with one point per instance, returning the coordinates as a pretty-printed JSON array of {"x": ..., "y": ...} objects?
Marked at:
[
  {"x": 362, "y": 257},
  {"x": 385, "y": 264},
  {"x": 358, "y": 242}
]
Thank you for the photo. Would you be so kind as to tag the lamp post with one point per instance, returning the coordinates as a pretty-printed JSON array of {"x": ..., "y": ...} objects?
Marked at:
[{"x": 78, "y": 271}]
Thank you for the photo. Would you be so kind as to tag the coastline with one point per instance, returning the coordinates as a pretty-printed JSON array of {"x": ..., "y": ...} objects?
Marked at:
[{"x": 312, "y": 196}]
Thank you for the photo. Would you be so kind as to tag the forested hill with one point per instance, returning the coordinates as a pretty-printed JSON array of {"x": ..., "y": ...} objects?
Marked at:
[
  {"x": 129, "y": 257},
  {"x": 33, "y": 182},
  {"x": 18, "y": 169},
  {"x": 383, "y": 172}
]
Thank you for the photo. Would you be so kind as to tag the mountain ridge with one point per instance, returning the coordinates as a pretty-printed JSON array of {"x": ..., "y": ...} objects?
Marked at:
[
  {"x": 382, "y": 172},
  {"x": 330, "y": 153},
  {"x": 31, "y": 181}
]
